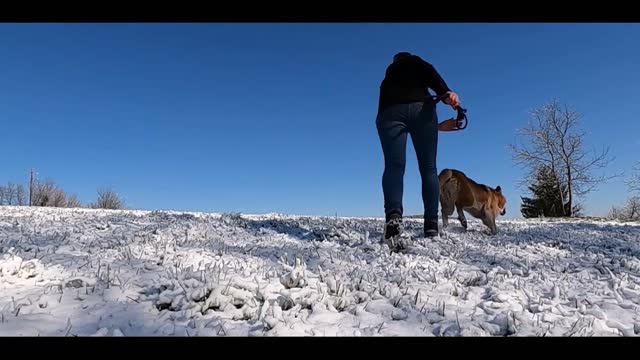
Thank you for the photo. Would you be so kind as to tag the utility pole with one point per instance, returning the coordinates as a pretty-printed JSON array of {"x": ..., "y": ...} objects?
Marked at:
[{"x": 31, "y": 188}]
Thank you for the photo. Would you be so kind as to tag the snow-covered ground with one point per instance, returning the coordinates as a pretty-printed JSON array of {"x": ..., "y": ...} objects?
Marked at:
[{"x": 124, "y": 273}]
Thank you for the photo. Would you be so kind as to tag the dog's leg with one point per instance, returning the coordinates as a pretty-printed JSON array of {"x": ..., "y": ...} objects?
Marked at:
[
  {"x": 489, "y": 219},
  {"x": 445, "y": 219},
  {"x": 446, "y": 207},
  {"x": 461, "y": 218},
  {"x": 448, "y": 198}
]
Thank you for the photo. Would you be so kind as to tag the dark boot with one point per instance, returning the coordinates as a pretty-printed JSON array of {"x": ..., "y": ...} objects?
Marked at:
[
  {"x": 393, "y": 226},
  {"x": 430, "y": 228}
]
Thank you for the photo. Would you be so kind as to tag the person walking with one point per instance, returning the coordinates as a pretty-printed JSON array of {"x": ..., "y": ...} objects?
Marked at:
[{"x": 405, "y": 107}]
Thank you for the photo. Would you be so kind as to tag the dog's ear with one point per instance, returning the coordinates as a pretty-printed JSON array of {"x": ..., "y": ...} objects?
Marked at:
[{"x": 499, "y": 189}]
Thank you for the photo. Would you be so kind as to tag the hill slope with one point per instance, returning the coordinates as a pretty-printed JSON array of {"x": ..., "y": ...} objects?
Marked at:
[{"x": 92, "y": 272}]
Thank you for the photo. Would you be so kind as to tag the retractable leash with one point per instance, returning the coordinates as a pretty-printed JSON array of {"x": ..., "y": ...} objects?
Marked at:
[{"x": 461, "y": 117}]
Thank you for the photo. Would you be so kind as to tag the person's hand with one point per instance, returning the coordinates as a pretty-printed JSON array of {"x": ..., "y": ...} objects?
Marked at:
[
  {"x": 449, "y": 125},
  {"x": 452, "y": 99}
]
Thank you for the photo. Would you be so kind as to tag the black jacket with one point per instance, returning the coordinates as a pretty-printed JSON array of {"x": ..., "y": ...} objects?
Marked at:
[{"x": 407, "y": 80}]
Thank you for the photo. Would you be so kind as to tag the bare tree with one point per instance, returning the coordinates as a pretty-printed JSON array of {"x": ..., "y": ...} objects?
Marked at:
[
  {"x": 72, "y": 201},
  {"x": 634, "y": 181},
  {"x": 108, "y": 199},
  {"x": 552, "y": 141},
  {"x": 615, "y": 213},
  {"x": 45, "y": 193},
  {"x": 21, "y": 197},
  {"x": 10, "y": 194},
  {"x": 48, "y": 193},
  {"x": 58, "y": 198},
  {"x": 633, "y": 208},
  {"x": 629, "y": 212}
]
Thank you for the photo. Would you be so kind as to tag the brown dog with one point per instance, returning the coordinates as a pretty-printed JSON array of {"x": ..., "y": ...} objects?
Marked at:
[{"x": 480, "y": 201}]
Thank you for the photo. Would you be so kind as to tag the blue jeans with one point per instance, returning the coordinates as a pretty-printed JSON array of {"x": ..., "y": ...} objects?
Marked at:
[{"x": 394, "y": 124}]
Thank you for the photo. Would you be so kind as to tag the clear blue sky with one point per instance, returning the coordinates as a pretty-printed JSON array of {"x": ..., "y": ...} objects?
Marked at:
[{"x": 280, "y": 117}]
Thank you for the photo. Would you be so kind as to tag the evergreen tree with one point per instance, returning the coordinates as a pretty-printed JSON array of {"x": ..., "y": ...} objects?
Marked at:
[{"x": 545, "y": 200}]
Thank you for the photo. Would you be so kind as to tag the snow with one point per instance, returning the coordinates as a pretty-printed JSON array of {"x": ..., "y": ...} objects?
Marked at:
[{"x": 82, "y": 272}]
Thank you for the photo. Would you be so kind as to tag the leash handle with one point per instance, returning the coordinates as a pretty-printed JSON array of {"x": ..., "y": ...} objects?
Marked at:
[{"x": 461, "y": 116}]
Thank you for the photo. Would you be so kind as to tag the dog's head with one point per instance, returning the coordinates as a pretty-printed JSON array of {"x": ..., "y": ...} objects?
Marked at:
[{"x": 501, "y": 200}]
